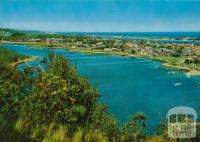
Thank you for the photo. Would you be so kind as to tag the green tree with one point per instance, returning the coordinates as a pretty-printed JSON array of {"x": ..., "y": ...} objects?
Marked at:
[
  {"x": 58, "y": 97},
  {"x": 134, "y": 129}
]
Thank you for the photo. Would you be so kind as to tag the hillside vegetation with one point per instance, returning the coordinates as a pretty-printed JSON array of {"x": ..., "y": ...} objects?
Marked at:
[{"x": 7, "y": 56}]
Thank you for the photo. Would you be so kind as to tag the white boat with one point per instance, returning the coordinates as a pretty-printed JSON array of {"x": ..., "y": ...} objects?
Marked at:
[
  {"x": 188, "y": 75},
  {"x": 177, "y": 84},
  {"x": 172, "y": 72}
]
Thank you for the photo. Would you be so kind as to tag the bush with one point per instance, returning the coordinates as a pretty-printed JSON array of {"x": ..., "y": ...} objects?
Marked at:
[
  {"x": 175, "y": 54},
  {"x": 55, "y": 97}
]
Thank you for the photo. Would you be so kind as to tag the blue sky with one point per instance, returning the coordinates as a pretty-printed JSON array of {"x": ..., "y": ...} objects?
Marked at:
[{"x": 101, "y": 15}]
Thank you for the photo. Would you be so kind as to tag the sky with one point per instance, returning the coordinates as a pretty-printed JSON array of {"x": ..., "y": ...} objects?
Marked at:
[{"x": 101, "y": 15}]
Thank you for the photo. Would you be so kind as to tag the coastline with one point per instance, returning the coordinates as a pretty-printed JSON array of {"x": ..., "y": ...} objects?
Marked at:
[
  {"x": 13, "y": 65},
  {"x": 189, "y": 71},
  {"x": 166, "y": 63}
]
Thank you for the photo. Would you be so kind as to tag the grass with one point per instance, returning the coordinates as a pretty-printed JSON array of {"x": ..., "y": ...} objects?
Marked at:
[
  {"x": 171, "y": 60},
  {"x": 56, "y": 133}
]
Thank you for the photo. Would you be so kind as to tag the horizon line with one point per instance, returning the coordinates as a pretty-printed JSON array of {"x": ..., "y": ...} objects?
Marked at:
[{"x": 46, "y": 31}]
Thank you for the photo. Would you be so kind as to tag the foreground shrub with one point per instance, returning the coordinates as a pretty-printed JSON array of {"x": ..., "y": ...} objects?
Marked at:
[{"x": 88, "y": 136}]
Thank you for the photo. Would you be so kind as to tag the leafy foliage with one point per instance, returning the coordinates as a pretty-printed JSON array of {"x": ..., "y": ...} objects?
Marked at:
[
  {"x": 134, "y": 130},
  {"x": 7, "y": 56}
]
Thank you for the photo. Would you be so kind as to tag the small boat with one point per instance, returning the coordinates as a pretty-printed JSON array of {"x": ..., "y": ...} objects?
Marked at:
[
  {"x": 44, "y": 60},
  {"x": 177, "y": 84},
  {"x": 188, "y": 75},
  {"x": 172, "y": 72}
]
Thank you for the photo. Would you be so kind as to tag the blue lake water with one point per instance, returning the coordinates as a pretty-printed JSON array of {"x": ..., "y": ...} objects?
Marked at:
[
  {"x": 138, "y": 34},
  {"x": 129, "y": 85},
  {"x": 170, "y": 41}
]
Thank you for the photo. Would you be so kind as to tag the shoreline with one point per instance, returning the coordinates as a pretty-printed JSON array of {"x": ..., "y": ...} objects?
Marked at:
[
  {"x": 188, "y": 71},
  {"x": 166, "y": 63},
  {"x": 13, "y": 65}
]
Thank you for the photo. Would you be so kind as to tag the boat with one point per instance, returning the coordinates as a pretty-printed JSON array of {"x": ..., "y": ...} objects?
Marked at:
[
  {"x": 177, "y": 84},
  {"x": 188, "y": 75},
  {"x": 44, "y": 60},
  {"x": 172, "y": 72}
]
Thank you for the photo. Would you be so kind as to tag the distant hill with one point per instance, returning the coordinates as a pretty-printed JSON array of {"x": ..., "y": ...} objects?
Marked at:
[{"x": 12, "y": 31}]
